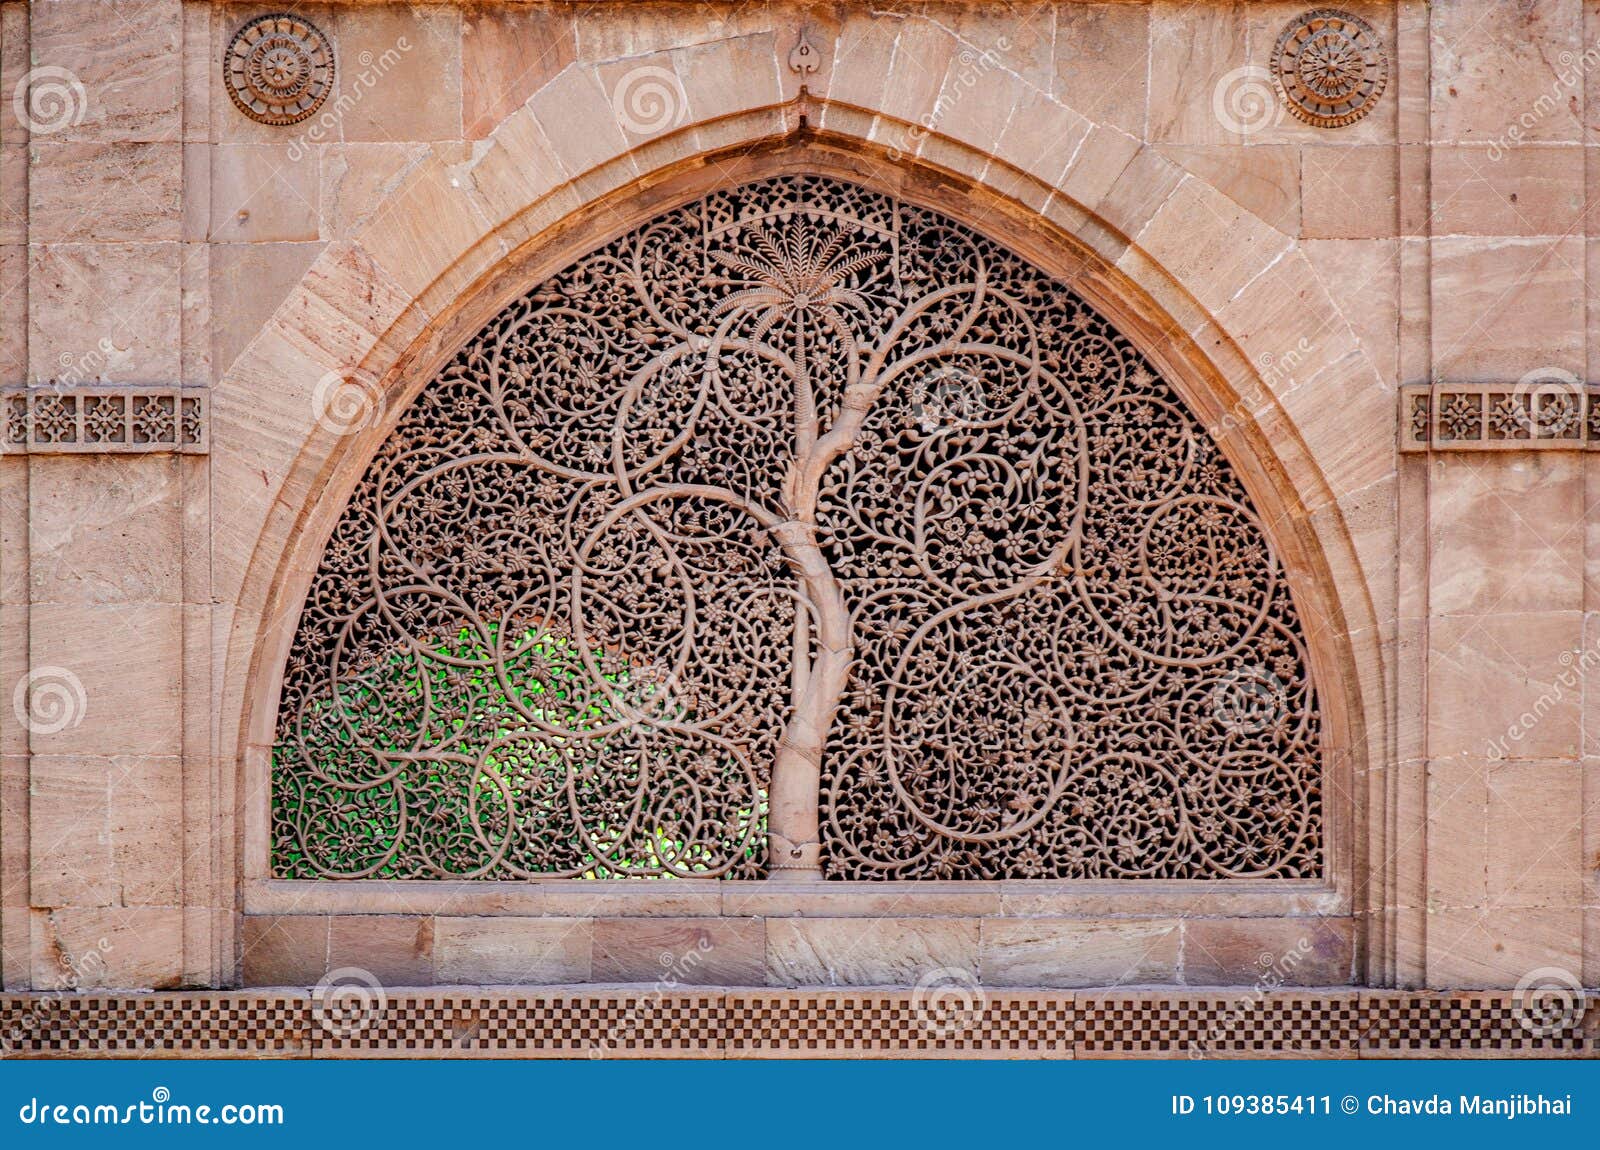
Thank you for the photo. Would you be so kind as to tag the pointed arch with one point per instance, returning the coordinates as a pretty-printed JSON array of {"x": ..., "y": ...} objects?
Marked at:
[
  {"x": 799, "y": 529},
  {"x": 355, "y": 319}
]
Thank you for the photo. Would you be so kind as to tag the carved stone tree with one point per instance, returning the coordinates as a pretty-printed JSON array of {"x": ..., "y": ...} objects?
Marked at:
[{"x": 800, "y": 531}]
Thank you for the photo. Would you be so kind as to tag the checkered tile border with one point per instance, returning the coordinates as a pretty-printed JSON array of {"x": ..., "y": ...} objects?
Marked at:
[{"x": 636, "y": 1022}]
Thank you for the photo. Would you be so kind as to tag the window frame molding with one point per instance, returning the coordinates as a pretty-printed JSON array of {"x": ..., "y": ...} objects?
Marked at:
[{"x": 1064, "y": 241}]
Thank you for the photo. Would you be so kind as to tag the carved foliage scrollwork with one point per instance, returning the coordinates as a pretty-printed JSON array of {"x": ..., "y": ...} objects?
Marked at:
[{"x": 807, "y": 513}]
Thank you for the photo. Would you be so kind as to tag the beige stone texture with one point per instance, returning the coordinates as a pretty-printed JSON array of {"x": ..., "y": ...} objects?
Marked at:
[
  {"x": 1286, "y": 952},
  {"x": 1495, "y": 683},
  {"x": 103, "y": 529},
  {"x": 123, "y": 948},
  {"x": 507, "y": 54},
  {"x": 512, "y": 950},
  {"x": 1101, "y": 56},
  {"x": 131, "y": 79},
  {"x": 284, "y": 950},
  {"x": 395, "y": 949},
  {"x": 263, "y": 194},
  {"x": 1506, "y": 533},
  {"x": 1349, "y": 192},
  {"x": 874, "y": 952},
  {"x": 1523, "y": 191},
  {"x": 683, "y": 952},
  {"x": 1511, "y": 309},
  {"x": 1498, "y": 73},
  {"x": 418, "y": 95},
  {"x": 248, "y": 283},
  {"x": 105, "y": 313},
  {"x": 1078, "y": 952},
  {"x": 104, "y": 192}
]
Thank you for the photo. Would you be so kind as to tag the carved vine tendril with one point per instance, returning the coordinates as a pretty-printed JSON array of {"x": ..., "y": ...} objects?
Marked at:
[{"x": 800, "y": 528}]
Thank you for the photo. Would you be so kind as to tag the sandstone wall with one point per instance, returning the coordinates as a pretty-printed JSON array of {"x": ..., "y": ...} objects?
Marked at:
[{"x": 154, "y": 236}]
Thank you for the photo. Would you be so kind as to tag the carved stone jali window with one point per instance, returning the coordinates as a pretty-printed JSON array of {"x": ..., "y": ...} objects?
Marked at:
[{"x": 800, "y": 530}]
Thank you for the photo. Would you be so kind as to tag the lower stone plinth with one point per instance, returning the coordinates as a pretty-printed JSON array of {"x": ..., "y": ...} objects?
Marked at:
[{"x": 952, "y": 1020}]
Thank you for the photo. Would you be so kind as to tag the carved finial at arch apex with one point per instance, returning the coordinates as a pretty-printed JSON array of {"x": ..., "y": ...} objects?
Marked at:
[
  {"x": 1331, "y": 67},
  {"x": 804, "y": 59}
]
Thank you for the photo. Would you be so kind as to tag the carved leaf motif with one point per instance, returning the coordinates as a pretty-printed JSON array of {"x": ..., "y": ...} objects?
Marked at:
[{"x": 799, "y": 511}]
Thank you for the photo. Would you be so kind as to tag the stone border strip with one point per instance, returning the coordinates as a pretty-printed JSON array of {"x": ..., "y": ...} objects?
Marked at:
[
  {"x": 1546, "y": 415},
  {"x": 121, "y": 419},
  {"x": 645, "y": 1022}
]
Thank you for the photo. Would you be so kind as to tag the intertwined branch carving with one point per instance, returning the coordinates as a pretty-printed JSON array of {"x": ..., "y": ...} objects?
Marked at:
[{"x": 799, "y": 530}]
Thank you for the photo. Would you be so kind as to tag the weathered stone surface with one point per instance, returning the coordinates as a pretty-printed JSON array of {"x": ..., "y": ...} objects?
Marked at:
[
  {"x": 681, "y": 952},
  {"x": 152, "y": 234},
  {"x": 512, "y": 950},
  {"x": 875, "y": 952},
  {"x": 1078, "y": 952}
]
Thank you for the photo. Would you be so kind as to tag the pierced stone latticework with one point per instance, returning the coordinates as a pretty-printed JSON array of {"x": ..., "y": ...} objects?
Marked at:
[
  {"x": 799, "y": 529},
  {"x": 103, "y": 419}
]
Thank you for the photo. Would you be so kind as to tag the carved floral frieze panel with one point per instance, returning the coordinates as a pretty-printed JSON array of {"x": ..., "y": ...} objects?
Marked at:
[
  {"x": 104, "y": 419},
  {"x": 800, "y": 529},
  {"x": 1540, "y": 412}
]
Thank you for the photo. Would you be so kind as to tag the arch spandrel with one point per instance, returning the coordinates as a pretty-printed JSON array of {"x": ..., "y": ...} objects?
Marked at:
[{"x": 801, "y": 528}]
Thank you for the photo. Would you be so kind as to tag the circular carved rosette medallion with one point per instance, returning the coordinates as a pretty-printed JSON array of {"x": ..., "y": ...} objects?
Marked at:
[
  {"x": 279, "y": 69},
  {"x": 1331, "y": 67}
]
